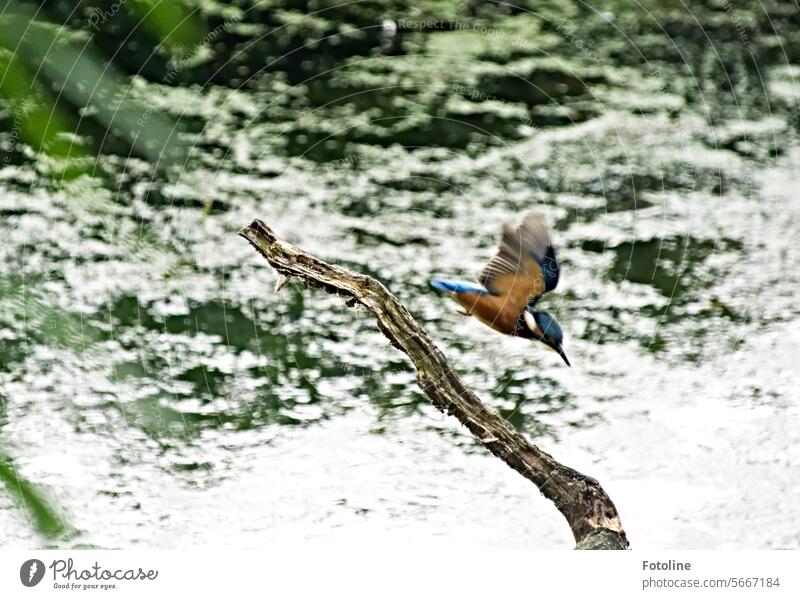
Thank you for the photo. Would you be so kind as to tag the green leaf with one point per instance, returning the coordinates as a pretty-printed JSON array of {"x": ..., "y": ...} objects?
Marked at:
[{"x": 43, "y": 515}]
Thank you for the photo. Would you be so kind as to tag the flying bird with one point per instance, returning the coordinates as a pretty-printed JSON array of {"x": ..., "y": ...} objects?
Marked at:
[{"x": 524, "y": 268}]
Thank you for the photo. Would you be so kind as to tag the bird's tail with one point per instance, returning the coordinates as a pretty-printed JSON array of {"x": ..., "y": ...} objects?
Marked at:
[{"x": 457, "y": 286}]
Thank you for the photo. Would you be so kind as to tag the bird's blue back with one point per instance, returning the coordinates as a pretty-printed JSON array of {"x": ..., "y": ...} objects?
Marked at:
[{"x": 458, "y": 286}]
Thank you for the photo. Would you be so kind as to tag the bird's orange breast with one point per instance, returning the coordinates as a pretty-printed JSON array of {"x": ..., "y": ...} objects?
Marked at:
[{"x": 492, "y": 310}]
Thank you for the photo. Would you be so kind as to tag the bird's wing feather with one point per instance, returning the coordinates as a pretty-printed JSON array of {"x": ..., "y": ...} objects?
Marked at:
[
  {"x": 525, "y": 265},
  {"x": 449, "y": 286}
]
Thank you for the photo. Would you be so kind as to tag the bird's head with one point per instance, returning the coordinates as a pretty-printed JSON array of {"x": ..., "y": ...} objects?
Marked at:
[{"x": 545, "y": 328}]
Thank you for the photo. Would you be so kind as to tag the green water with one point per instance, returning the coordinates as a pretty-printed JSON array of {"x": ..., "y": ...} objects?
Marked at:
[{"x": 155, "y": 391}]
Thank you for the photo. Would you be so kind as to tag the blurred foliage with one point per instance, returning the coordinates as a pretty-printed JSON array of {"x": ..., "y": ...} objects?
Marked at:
[
  {"x": 65, "y": 99},
  {"x": 42, "y": 127},
  {"x": 171, "y": 22},
  {"x": 43, "y": 515},
  {"x": 81, "y": 78}
]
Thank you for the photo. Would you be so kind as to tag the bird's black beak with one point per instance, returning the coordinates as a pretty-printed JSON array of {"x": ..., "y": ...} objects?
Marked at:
[{"x": 563, "y": 355}]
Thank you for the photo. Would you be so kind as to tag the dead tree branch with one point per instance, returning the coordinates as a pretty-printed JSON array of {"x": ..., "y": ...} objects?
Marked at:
[{"x": 587, "y": 508}]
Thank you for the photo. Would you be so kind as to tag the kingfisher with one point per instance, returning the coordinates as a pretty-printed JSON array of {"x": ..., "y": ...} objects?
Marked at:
[{"x": 523, "y": 269}]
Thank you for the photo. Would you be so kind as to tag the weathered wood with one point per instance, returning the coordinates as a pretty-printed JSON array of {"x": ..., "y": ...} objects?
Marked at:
[{"x": 587, "y": 508}]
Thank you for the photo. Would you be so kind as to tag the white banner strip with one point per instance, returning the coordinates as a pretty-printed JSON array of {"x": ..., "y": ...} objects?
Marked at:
[{"x": 438, "y": 569}]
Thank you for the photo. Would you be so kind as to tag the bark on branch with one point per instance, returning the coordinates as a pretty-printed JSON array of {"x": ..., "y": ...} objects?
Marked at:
[{"x": 587, "y": 508}]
